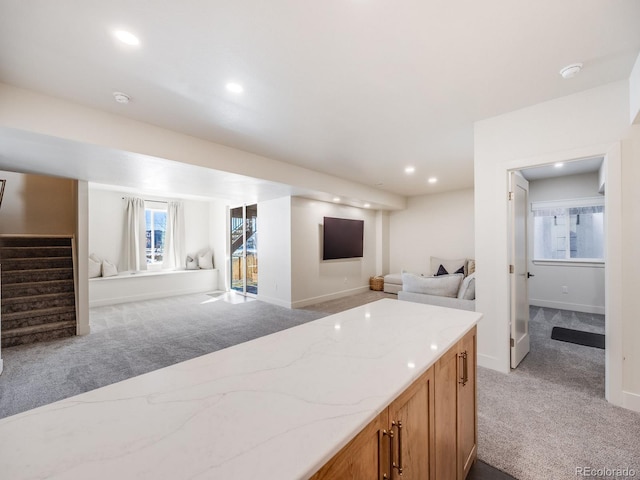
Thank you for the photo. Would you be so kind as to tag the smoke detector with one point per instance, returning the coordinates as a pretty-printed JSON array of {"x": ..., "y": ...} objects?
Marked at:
[
  {"x": 571, "y": 71},
  {"x": 121, "y": 97}
]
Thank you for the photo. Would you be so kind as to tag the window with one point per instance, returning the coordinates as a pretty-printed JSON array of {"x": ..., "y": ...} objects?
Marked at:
[
  {"x": 569, "y": 230},
  {"x": 156, "y": 225}
]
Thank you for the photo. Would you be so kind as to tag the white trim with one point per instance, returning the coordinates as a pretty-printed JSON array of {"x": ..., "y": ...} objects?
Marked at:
[
  {"x": 493, "y": 363},
  {"x": 331, "y": 296},
  {"x": 575, "y": 307},
  {"x": 568, "y": 203},
  {"x": 1, "y": 366},
  {"x": 631, "y": 401},
  {"x": 571, "y": 262},
  {"x": 273, "y": 301}
]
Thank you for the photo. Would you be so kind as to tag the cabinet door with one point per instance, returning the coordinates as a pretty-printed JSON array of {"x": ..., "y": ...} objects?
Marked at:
[
  {"x": 446, "y": 415},
  {"x": 363, "y": 458},
  {"x": 411, "y": 419},
  {"x": 467, "y": 416}
]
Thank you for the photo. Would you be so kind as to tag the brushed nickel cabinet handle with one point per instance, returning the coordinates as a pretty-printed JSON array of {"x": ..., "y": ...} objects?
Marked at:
[
  {"x": 399, "y": 465},
  {"x": 390, "y": 435}
]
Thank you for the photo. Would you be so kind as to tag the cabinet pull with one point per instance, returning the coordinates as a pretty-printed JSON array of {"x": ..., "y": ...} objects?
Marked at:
[
  {"x": 389, "y": 433},
  {"x": 464, "y": 378},
  {"x": 399, "y": 465}
]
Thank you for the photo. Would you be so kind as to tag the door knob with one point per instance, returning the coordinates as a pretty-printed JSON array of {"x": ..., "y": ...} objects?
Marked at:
[{"x": 529, "y": 275}]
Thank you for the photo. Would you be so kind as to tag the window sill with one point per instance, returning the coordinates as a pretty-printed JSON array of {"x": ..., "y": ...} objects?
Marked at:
[{"x": 570, "y": 263}]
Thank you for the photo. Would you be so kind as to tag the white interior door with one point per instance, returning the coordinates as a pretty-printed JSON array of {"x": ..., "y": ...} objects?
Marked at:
[{"x": 519, "y": 264}]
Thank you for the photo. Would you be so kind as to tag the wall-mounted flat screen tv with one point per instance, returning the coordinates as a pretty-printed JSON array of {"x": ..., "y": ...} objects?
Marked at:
[{"x": 342, "y": 238}]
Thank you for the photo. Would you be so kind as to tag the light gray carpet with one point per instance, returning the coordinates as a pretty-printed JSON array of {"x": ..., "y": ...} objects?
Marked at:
[
  {"x": 134, "y": 338},
  {"x": 549, "y": 416},
  {"x": 541, "y": 421}
]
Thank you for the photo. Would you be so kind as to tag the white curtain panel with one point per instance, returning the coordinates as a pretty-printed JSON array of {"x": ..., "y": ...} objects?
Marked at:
[
  {"x": 174, "y": 255},
  {"x": 135, "y": 238}
]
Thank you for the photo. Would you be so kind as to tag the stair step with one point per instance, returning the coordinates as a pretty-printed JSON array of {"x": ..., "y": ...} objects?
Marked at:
[
  {"x": 36, "y": 288},
  {"x": 38, "y": 333},
  {"x": 37, "y": 251},
  {"x": 17, "y": 241},
  {"x": 10, "y": 264},
  {"x": 38, "y": 317},
  {"x": 38, "y": 275},
  {"x": 37, "y": 302}
]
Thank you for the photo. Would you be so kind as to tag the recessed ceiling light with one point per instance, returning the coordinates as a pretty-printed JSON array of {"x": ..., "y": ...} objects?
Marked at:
[
  {"x": 367, "y": 205},
  {"x": 336, "y": 199},
  {"x": 409, "y": 170},
  {"x": 121, "y": 97},
  {"x": 432, "y": 180},
  {"x": 127, "y": 38},
  {"x": 558, "y": 165},
  {"x": 235, "y": 87},
  {"x": 571, "y": 71}
]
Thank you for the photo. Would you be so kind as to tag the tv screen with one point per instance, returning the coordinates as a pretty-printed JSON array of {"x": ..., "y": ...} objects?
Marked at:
[{"x": 342, "y": 238}]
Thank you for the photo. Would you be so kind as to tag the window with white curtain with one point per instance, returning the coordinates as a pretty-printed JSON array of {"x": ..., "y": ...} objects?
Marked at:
[
  {"x": 569, "y": 230},
  {"x": 155, "y": 215}
]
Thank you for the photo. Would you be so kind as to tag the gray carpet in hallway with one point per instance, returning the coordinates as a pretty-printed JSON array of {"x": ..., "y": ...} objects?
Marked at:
[{"x": 549, "y": 416}]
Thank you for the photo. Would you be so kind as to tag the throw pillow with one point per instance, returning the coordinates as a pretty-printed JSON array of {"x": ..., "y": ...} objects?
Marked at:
[
  {"x": 192, "y": 263},
  {"x": 471, "y": 267},
  {"x": 443, "y": 285},
  {"x": 205, "y": 260},
  {"x": 443, "y": 271},
  {"x": 95, "y": 267},
  {"x": 109, "y": 269},
  {"x": 468, "y": 288},
  {"x": 449, "y": 265}
]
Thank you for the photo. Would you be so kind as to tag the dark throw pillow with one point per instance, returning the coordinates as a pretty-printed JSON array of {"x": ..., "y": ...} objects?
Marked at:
[
  {"x": 460, "y": 270},
  {"x": 441, "y": 271}
]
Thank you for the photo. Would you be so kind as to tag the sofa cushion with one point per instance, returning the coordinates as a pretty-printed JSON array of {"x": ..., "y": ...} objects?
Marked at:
[
  {"x": 468, "y": 288},
  {"x": 448, "y": 264},
  {"x": 95, "y": 266},
  {"x": 393, "y": 278},
  {"x": 443, "y": 285}
]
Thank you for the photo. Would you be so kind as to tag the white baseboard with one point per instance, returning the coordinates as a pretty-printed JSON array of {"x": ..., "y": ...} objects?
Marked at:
[
  {"x": 330, "y": 296},
  {"x": 576, "y": 307},
  {"x": 631, "y": 401},
  {"x": 274, "y": 301},
  {"x": 492, "y": 363},
  {"x": 1, "y": 366}
]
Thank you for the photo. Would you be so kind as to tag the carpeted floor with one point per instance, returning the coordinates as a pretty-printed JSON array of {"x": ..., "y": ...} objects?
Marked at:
[
  {"x": 542, "y": 421},
  {"x": 549, "y": 416}
]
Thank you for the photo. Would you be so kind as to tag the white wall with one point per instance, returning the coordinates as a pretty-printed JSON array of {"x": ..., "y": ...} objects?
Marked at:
[
  {"x": 585, "y": 283},
  {"x": 583, "y": 125},
  {"x": 274, "y": 251},
  {"x": 35, "y": 204},
  {"x": 439, "y": 225},
  {"x": 631, "y": 260},
  {"x": 314, "y": 280}
]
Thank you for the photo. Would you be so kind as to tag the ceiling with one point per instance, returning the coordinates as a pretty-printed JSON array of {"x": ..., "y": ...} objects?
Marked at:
[
  {"x": 562, "y": 169},
  {"x": 359, "y": 89}
]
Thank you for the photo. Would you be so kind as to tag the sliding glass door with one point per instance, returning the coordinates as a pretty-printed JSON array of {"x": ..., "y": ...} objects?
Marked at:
[{"x": 243, "y": 238}]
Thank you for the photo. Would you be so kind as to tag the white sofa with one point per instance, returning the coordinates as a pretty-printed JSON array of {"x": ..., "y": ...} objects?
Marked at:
[{"x": 451, "y": 283}]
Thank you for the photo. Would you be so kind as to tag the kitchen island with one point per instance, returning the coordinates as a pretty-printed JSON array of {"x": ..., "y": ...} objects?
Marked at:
[{"x": 278, "y": 407}]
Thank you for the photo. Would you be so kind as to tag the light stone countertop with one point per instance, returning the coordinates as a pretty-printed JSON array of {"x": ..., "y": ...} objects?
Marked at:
[{"x": 277, "y": 407}]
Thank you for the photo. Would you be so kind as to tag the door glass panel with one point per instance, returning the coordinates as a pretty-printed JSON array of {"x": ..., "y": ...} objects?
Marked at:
[
  {"x": 252, "y": 249},
  {"x": 237, "y": 249},
  {"x": 244, "y": 249}
]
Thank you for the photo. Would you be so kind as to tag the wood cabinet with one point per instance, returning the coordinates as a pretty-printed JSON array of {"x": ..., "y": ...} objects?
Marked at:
[
  {"x": 428, "y": 432},
  {"x": 456, "y": 423}
]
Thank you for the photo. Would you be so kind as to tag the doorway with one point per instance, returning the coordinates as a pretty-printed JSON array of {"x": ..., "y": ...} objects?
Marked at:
[
  {"x": 243, "y": 238},
  {"x": 564, "y": 276}
]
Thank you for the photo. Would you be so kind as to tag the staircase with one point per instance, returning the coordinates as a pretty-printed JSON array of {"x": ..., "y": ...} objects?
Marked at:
[{"x": 38, "y": 295}]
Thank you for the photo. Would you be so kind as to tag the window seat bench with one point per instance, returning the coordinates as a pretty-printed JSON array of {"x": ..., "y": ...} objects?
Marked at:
[{"x": 135, "y": 286}]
